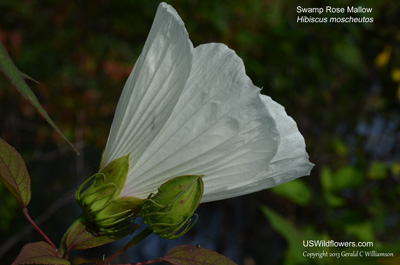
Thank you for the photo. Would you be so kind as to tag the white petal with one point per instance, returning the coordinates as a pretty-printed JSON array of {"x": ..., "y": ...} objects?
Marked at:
[
  {"x": 220, "y": 127},
  {"x": 290, "y": 162},
  {"x": 152, "y": 89},
  {"x": 195, "y": 111}
]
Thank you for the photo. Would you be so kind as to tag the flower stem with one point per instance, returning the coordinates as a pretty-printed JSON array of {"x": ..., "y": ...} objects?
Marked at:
[
  {"x": 25, "y": 211},
  {"x": 136, "y": 239}
]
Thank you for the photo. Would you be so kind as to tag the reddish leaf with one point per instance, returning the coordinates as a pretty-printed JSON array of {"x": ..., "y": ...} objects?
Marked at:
[
  {"x": 13, "y": 173},
  {"x": 194, "y": 255},
  {"x": 80, "y": 238},
  {"x": 39, "y": 253}
]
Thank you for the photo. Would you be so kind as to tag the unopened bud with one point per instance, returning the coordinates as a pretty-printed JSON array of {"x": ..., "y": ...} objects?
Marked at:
[{"x": 167, "y": 212}]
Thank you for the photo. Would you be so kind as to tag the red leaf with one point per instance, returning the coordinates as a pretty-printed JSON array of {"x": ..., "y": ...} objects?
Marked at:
[
  {"x": 13, "y": 173},
  {"x": 39, "y": 253},
  {"x": 194, "y": 255}
]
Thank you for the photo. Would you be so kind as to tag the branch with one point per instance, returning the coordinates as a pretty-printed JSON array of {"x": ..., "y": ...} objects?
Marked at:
[
  {"x": 64, "y": 200},
  {"x": 25, "y": 211},
  {"x": 136, "y": 239}
]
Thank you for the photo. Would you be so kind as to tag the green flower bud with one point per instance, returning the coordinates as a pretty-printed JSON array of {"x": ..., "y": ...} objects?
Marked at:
[
  {"x": 103, "y": 209},
  {"x": 171, "y": 208}
]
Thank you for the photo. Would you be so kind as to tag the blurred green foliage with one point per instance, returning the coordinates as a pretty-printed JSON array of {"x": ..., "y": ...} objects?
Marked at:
[
  {"x": 340, "y": 83},
  {"x": 297, "y": 191},
  {"x": 298, "y": 247},
  {"x": 9, "y": 209}
]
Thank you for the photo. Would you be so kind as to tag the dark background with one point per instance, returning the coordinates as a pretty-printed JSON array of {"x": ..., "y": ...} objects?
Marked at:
[{"x": 340, "y": 83}]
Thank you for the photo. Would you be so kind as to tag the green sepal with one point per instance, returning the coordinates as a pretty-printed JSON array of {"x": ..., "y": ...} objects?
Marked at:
[
  {"x": 127, "y": 208},
  {"x": 171, "y": 208},
  {"x": 82, "y": 234},
  {"x": 115, "y": 173},
  {"x": 98, "y": 197}
]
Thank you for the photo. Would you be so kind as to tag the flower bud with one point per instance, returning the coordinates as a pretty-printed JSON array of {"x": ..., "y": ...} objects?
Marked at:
[
  {"x": 171, "y": 208},
  {"x": 102, "y": 208}
]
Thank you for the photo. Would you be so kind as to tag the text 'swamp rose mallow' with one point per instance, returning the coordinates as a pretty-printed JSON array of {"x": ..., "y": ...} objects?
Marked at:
[{"x": 188, "y": 117}]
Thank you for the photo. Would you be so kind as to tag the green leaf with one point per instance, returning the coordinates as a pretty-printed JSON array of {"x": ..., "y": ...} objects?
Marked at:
[
  {"x": 395, "y": 168},
  {"x": 340, "y": 147},
  {"x": 9, "y": 209},
  {"x": 332, "y": 199},
  {"x": 293, "y": 236},
  {"x": 195, "y": 255},
  {"x": 13, "y": 174},
  {"x": 377, "y": 170},
  {"x": 348, "y": 53},
  {"x": 296, "y": 191},
  {"x": 39, "y": 253},
  {"x": 16, "y": 78},
  {"x": 79, "y": 236},
  {"x": 363, "y": 230},
  {"x": 326, "y": 178},
  {"x": 345, "y": 177}
]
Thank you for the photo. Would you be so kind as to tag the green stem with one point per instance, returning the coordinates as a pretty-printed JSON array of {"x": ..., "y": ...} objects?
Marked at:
[
  {"x": 25, "y": 211},
  {"x": 136, "y": 239}
]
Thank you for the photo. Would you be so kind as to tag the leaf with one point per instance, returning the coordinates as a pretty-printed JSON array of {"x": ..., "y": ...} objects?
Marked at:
[
  {"x": 348, "y": 54},
  {"x": 326, "y": 178},
  {"x": 343, "y": 178},
  {"x": 340, "y": 147},
  {"x": 348, "y": 177},
  {"x": 363, "y": 231},
  {"x": 377, "y": 170},
  {"x": 295, "y": 237},
  {"x": 39, "y": 253},
  {"x": 395, "y": 168},
  {"x": 296, "y": 191},
  {"x": 78, "y": 237},
  {"x": 13, "y": 174},
  {"x": 332, "y": 199},
  {"x": 16, "y": 78},
  {"x": 194, "y": 255}
]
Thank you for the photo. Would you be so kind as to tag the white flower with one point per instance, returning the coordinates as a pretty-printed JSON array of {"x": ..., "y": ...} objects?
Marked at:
[{"x": 194, "y": 111}]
